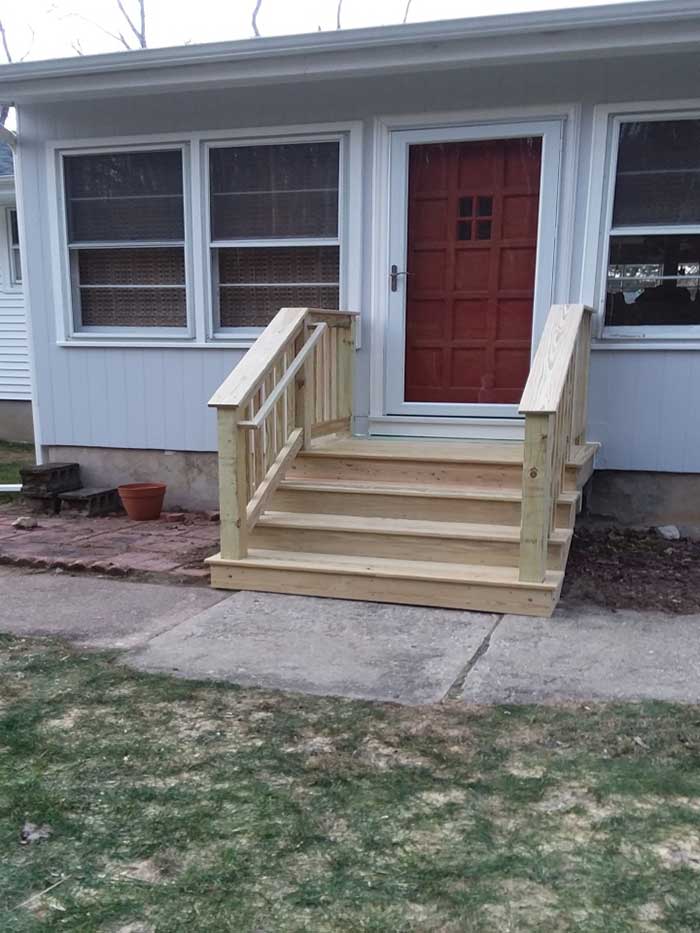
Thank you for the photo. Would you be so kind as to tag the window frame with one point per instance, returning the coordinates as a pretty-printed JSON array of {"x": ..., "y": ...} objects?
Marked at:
[
  {"x": 13, "y": 250},
  {"x": 215, "y": 331},
  {"x": 199, "y": 303},
  {"x": 72, "y": 329},
  {"x": 640, "y": 334}
]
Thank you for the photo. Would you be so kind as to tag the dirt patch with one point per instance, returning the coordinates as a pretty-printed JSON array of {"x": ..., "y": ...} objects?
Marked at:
[
  {"x": 680, "y": 852},
  {"x": 628, "y": 569}
]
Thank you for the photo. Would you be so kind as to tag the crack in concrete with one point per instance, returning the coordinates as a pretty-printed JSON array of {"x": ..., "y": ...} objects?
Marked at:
[{"x": 455, "y": 691}]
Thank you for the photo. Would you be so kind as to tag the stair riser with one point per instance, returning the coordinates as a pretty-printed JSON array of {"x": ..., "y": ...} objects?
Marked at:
[
  {"x": 386, "y": 470},
  {"x": 397, "y": 546},
  {"x": 420, "y": 508},
  {"x": 386, "y": 589}
]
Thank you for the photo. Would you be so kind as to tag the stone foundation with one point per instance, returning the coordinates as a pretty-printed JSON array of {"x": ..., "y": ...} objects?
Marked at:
[
  {"x": 629, "y": 497},
  {"x": 191, "y": 477}
]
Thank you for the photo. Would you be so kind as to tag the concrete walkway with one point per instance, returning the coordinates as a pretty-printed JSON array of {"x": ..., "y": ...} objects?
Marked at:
[{"x": 362, "y": 650}]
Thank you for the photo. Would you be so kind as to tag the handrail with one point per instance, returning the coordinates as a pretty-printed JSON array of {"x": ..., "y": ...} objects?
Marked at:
[
  {"x": 273, "y": 397},
  {"x": 294, "y": 384},
  {"x": 245, "y": 378},
  {"x": 554, "y": 403}
]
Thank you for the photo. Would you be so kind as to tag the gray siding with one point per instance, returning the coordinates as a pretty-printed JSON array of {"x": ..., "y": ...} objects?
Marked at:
[{"x": 641, "y": 401}]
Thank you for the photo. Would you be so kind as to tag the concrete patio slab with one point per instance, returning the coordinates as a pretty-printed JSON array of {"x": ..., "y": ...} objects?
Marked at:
[
  {"x": 95, "y": 612},
  {"x": 589, "y": 654},
  {"x": 359, "y": 650}
]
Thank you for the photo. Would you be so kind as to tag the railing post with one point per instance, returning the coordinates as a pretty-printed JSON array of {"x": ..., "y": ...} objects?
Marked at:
[
  {"x": 304, "y": 396},
  {"x": 537, "y": 502},
  {"x": 233, "y": 485},
  {"x": 582, "y": 363},
  {"x": 346, "y": 345}
]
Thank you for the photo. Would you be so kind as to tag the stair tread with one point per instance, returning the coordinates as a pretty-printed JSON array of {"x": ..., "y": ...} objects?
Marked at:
[
  {"x": 482, "y": 574},
  {"x": 474, "y": 452},
  {"x": 400, "y": 526},
  {"x": 436, "y": 490}
]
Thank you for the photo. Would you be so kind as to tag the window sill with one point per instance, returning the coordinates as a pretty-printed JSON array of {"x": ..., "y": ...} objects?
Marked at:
[
  {"x": 144, "y": 343},
  {"x": 639, "y": 338}
]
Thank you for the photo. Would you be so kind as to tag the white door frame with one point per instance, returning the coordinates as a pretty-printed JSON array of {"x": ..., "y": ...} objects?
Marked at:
[{"x": 559, "y": 128}]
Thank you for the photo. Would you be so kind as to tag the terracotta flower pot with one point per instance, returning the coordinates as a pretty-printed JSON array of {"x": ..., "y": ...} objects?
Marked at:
[{"x": 143, "y": 501}]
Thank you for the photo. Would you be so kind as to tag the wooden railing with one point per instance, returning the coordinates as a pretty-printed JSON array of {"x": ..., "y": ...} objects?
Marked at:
[
  {"x": 554, "y": 403},
  {"x": 294, "y": 384}
]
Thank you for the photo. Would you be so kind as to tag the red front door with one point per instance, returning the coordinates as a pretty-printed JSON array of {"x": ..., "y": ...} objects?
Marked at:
[{"x": 472, "y": 244}]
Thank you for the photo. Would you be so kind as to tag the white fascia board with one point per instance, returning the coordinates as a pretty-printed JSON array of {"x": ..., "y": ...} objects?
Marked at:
[{"x": 621, "y": 28}]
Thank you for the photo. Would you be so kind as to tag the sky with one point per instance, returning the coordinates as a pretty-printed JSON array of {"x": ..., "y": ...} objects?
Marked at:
[{"x": 39, "y": 29}]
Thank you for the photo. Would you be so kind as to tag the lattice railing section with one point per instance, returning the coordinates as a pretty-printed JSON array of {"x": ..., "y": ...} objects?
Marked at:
[
  {"x": 554, "y": 403},
  {"x": 294, "y": 384}
]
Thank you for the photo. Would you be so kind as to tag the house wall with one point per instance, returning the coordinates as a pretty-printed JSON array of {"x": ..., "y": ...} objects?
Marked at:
[
  {"x": 153, "y": 398},
  {"x": 15, "y": 379}
]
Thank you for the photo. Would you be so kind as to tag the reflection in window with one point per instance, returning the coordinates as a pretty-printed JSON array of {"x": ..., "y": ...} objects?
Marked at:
[
  {"x": 653, "y": 277},
  {"x": 653, "y": 280},
  {"x": 126, "y": 238},
  {"x": 279, "y": 194}
]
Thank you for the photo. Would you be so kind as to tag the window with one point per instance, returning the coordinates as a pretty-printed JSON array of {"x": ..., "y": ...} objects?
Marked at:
[
  {"x": 274, "y": 229},
  {"x": 653, "y": 276},
  {"x": 126, "y": 239},
  {"x": 15, "y": 260}
]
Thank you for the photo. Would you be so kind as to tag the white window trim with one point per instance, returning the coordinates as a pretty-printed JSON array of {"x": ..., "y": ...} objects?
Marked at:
[
  {"x": 606, "y": 135},
  {"x": 69, "y": 329},
  {"x": 8, "y": 283},
  {"x": 199, "y": 303}
]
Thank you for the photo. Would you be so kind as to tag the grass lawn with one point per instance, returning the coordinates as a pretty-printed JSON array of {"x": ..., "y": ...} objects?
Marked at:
[
  {"x": 12, "y": 457},
  {"x": 180, "y": 806}
]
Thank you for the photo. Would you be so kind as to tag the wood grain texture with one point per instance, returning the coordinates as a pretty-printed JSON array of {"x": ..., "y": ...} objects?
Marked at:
[
  {"x": 244, "y": 380},
  {"x": 545, "y": 384}
]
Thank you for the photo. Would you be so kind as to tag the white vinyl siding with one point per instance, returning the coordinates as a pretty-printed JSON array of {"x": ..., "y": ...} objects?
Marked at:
[{"x": 15, "y": 381}]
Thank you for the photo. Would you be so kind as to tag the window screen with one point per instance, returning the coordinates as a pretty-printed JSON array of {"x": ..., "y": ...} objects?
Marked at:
[
  {"x": 653, "y": 276},
  {"x": 125, "y": 219},
  {"x": 279, "y": 194}
]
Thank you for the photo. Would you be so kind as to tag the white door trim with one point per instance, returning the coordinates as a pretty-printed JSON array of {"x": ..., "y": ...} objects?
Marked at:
[{"x": 562, "y": 124}]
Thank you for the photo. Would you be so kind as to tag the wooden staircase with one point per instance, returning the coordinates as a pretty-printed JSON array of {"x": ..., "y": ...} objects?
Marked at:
[{"x": 308, "y": 509}]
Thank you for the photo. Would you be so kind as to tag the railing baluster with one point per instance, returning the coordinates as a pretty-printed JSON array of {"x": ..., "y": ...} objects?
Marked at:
[{"x": 265, "y": 414}]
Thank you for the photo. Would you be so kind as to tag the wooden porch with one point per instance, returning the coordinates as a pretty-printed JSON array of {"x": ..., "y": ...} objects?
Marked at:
[{"x": 308, "y": 509}]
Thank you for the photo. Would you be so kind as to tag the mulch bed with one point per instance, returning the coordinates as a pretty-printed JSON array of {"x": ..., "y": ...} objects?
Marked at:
[{"x": 629, "y": 569}]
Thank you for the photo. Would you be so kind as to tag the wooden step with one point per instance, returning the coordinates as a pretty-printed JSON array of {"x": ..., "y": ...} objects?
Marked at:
[
  {"x": 372, "y": 536},
  {"x": 411, "y": 501},
  {"x": 456, "y": 463},
  {"x": 421, "y": 583}
]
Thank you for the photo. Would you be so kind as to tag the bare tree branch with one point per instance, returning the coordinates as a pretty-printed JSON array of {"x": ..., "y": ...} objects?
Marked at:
[
  {"x": 4, "y": 108},
  {"x": 337, "y": 15},
  {"x": 407, "y": 10},
  {"x": 117, "y": 36},
  {"x": 254, "y": 19},
  {"x": 140, "y": 31},
  {"x": 5, "y": 45}
]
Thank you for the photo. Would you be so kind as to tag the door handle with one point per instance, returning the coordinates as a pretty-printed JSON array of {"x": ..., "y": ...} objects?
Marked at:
[{"x": 394, "y": 277}]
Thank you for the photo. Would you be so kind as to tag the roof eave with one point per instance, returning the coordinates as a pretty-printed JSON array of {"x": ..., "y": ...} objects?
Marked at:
[{"x": 619, "y": 29}]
